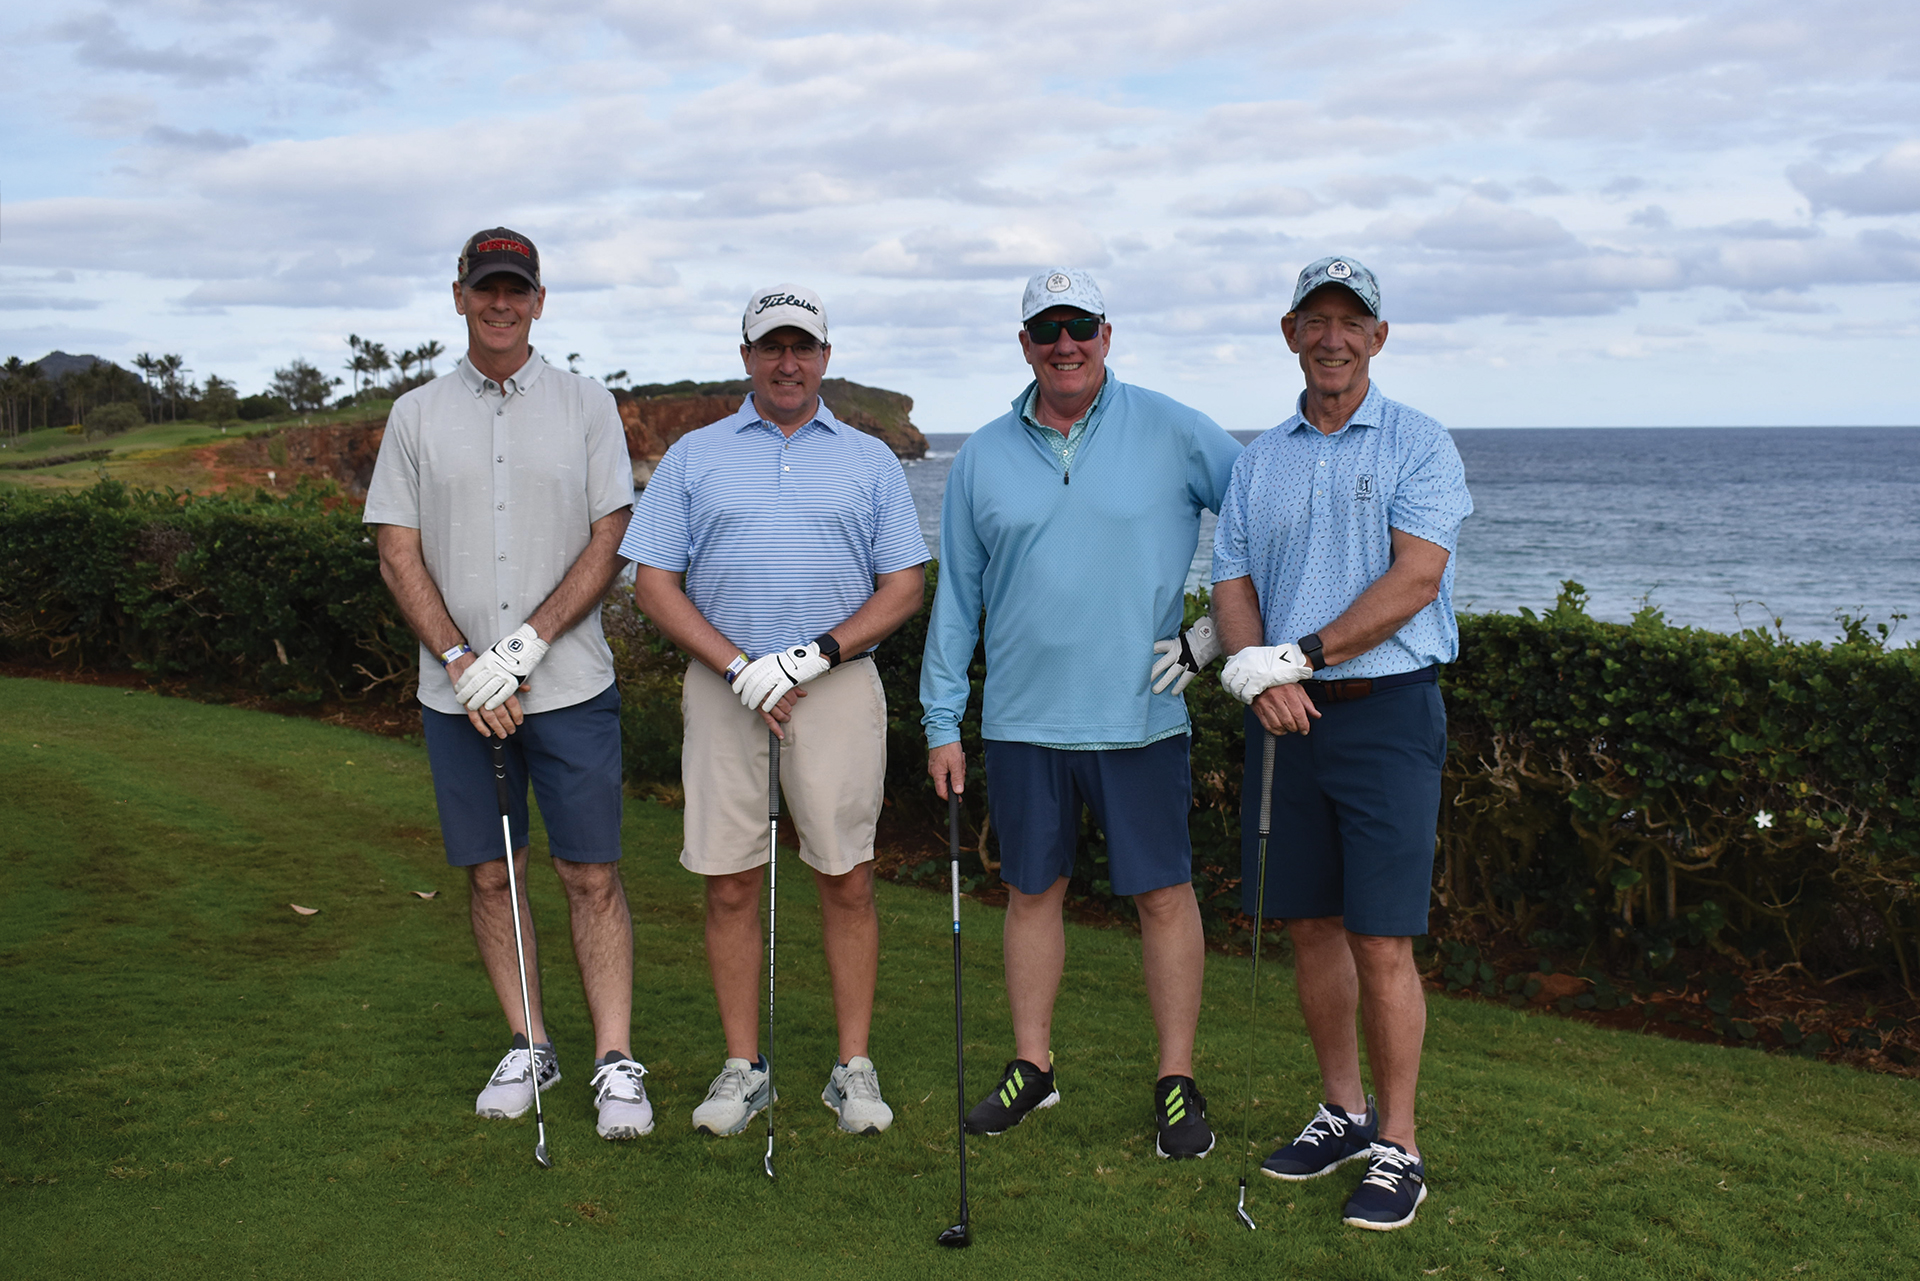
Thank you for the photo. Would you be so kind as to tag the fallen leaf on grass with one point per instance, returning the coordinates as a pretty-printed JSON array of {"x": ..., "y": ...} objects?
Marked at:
[
  {"x": 424, "y": 893},
  {"x": 304, "y": 911}
]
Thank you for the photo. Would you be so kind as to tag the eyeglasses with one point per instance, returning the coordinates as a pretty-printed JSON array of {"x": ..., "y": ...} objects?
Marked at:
[
  {"x": 805, "y": 349},
  {"x": 1080, "y": 329}
]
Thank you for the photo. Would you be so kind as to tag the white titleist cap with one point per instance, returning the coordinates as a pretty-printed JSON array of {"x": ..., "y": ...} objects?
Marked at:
[
  {"x": 1060, "y": 287},
  {"x": 779, "y": 305}
]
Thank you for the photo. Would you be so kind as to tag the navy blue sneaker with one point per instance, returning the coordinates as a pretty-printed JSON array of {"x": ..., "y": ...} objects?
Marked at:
[
  {"x": 1330, "y": 1140},
  {"x": 1391, "y": 1193}
]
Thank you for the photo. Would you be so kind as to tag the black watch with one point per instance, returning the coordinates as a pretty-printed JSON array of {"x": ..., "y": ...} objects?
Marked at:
[
  {"x": 1310, "y": 645},
  {"x": 829, "y": 647}
]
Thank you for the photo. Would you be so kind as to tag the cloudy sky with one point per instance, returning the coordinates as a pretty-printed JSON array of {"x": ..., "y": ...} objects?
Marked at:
[{"x": 1582, "y": 214}]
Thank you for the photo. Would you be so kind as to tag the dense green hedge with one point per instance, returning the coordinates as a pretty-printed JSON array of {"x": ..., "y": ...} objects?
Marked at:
[
  {"x": 1627, "y": 789},
  {"x": 271, "y": 594}
]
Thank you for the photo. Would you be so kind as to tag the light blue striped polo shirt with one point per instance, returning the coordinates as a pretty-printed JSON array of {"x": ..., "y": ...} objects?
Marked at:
[
  {"x": 1309, "y": 518},
  {"x": 779, "y": 537}
]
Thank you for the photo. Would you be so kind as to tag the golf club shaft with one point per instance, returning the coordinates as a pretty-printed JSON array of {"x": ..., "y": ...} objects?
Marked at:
[
  {"x": 1253, "y": 991},
  {"x": 519, "y": 946},
  {"x": 773, "y": 897},
  {"x": 959, "y": 1018}
]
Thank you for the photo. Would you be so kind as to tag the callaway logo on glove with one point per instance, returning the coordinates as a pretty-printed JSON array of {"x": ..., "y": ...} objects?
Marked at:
[
  {"x": 496, "y": 674},
  {"x": 766, "y": 680},
  {"x": 1258, "y": 668}
]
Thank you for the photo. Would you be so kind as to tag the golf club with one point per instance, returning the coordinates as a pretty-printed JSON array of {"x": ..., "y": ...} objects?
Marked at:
[
  {"x": 773, "y": 895},
  {"x": 960, "y": 1235},
  {"x": 1253, "y": 995},
  {"x": 519, "y": 950}
]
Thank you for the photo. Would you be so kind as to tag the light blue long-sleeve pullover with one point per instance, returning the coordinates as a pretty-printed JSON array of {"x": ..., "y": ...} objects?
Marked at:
[{"x": 1078, "y": 571}]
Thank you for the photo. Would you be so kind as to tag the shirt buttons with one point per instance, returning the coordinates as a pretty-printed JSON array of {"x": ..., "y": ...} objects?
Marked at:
[
  {"x": 503, "y": 604},
  {"x": 1323, "y": 462},
  {"x": 503, "y": 558},
  {"x": 501, "y": 458},
  {"x": 500, "y": 507},
  {"x": 785, "y": 468}
]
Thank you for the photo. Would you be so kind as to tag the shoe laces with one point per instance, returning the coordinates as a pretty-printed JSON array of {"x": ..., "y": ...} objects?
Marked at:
[
  {"x": 731, "y": 1084},
  {"x": 1325, "y": 1125},
  {"x": 1386, "y": 1166},
  {"x": 860, "y": 1083},
  {"x": 512, "y": 1068},
  {"x": 620, "y": 1080}
]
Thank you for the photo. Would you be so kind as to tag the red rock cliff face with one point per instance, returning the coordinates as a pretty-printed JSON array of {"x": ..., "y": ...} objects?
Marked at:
[
  {"x": 655, "y": 422},
  {"x": 345, "y": 452}
]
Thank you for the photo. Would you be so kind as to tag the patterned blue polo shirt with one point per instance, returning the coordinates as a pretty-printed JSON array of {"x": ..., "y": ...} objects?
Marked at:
[{"x": 1309, "y": 518}]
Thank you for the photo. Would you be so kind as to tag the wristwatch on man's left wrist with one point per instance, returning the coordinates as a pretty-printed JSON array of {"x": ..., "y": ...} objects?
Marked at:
[
  {"x": 1310, "y": 646},
  {"x": 829, "y": 648}
]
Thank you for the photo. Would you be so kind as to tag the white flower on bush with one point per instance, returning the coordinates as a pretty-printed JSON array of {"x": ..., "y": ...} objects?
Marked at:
[{"x": 1763, "y": 819}]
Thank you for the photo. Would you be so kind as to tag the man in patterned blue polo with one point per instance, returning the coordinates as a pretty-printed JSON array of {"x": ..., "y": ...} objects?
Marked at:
[
  {"x": 1333, "y": 569},
  {"x": 800, "y": 551}
]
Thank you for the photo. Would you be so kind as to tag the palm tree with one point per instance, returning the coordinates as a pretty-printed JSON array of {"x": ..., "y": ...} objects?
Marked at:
[
  {"x": 378, "y": 361},
  {"x": 428, "y": 350},
  {"x": 173, "y": 373},
  {"x": 405, "y": 360},
  {"x": 151, "y": 368}
]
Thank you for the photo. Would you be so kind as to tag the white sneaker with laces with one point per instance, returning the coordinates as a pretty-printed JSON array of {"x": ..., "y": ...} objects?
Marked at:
[
  {"x": 736, "y": 1096},
  {"x": 853, "y": 1092},
  {"x": 509, "y": 1092},
  {"x": 622, "y": 1100}
]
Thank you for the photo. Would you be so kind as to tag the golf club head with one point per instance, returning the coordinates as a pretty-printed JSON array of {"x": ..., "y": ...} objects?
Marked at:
[
  {"x": 540, "y": 1155},
  {"x": 766, "y": 1162},
  {"x": 957, "y": 1237},
  {"x": 1240, "y": 1210}
]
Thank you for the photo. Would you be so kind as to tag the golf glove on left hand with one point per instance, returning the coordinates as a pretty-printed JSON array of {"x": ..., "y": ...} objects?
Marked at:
[
  {"x": 766, "y": 680},
  {"x": 497, "y": 674},
  {"x": 1181, "y": 660},
  {"x": 1258, "y": 668}
]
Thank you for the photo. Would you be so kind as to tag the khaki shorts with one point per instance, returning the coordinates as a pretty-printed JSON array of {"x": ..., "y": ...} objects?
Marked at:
[{"x": 833, "y": 765}]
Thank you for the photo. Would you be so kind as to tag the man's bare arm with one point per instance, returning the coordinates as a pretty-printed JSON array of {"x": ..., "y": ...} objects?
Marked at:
[
  {"x": 1411, "y": 583},
  {"x": 586, "y": 581},
  {"x": 404, "y": 569},
  {"x": 896, "y": 598},
  {"x": 1283, "y": 709}
]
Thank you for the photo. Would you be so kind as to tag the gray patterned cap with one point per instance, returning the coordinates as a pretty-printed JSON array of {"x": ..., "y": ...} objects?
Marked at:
[
  {"x": 1061, "y": 287},
  {"x": 1345, "y": 272}
]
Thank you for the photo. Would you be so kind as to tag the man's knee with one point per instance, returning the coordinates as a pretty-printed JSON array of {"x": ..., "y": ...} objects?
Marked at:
[
  {"x": 489, "y": 879},
  {"x": 733, "y": 893},
  {"x": 1381, "y": 955},
  {"x": 849, "y": 892},
  {"x": 1317, "y": 931},
  {"x": 1168, "y": 903},
  {"x": 589, "y": 883}
]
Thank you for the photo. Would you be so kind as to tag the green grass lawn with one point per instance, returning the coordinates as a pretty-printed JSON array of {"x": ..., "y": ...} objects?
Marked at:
[{"x": 194, "y": 1080}]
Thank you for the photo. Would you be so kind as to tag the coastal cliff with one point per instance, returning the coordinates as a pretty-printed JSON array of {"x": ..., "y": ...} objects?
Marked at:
[{"x": 658, "y": 414}]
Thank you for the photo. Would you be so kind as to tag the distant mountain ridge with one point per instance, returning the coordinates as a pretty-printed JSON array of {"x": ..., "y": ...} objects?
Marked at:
[{"x": 58, "y": 364}]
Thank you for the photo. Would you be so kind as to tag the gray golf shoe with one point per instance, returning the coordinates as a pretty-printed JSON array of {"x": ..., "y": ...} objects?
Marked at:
[
  {"x": 622, "y": 1099},
  {"x": 736, "y": 1096},
  {"x": 509, "y": 1092},
  {"x": 853, "y": 1092}
]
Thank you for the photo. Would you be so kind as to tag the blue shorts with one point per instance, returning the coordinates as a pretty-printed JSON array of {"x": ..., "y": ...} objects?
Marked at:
[
  {"x": 573, "y": 758},
  {"x": 1139, "y": 796},
  {"x": 1355, "y": 802}
]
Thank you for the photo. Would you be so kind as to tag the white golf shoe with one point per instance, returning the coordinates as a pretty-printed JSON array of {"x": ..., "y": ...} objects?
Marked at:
[
  {"x": 736, "y": 1096},
  {"x": 622, "y": 1100},
  {"x": 853, "y": 1092},
  {"x": 510, "y": 1091}
]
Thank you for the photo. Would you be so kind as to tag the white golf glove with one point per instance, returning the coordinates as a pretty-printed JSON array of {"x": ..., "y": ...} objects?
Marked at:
[
  {"x": 1260, "y": 667},
  {"x": 766, "y": 680},
  {"x": 496, "y": 674},
  {"x": 1181, "y": 660}
]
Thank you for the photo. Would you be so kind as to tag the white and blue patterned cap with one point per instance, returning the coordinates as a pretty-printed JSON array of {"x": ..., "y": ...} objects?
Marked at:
[
  {"x": 1345, "y": 272},
  {"x": 779, "y": 305},
  {"x": 1061, "y": 287}
]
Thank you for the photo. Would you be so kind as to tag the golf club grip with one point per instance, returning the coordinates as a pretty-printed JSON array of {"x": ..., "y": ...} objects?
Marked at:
[
  {"x": 1266, "y": 784},
  {"x": 773, "y": 775},
  {"x": 500, "y": 778}
]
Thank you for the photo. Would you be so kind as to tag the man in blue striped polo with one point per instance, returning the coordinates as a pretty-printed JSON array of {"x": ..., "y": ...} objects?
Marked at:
[
  {"x": 1333, "y": 569},
  {"x": 800, "y": 551},
  {"x": 1071, "y": 521}
]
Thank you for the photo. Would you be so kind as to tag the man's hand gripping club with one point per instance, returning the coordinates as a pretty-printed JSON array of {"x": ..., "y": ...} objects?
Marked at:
[
  {"x": 766, "y": 680},
  {"x": 497, "y": 674}
]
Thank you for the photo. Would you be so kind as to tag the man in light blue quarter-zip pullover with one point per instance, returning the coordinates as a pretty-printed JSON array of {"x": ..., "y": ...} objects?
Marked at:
[{"x": 1071, "y": 522}]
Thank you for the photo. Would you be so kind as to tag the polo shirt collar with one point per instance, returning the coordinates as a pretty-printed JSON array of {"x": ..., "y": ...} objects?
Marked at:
[
  {"x": 518, "y": 382},
  {"x": 748, "y": 416},
  {"x": 1029, "y": 400},
  {"x": 1370, "y": 413}
]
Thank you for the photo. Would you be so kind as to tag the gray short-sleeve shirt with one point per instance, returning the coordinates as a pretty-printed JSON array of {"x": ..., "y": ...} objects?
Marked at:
[{"x": 504, "y": 482}]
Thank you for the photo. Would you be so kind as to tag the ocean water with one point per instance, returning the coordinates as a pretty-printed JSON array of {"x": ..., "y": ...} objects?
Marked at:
[{"x": 1718, "y": 527}]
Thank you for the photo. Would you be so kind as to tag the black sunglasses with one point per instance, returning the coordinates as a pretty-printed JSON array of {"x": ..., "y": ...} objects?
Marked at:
[{"x": 1080, "y": 329}]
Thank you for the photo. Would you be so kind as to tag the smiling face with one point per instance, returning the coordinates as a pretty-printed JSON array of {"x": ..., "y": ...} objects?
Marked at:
[
  {"x": 500, "y": 310},
  {"x": 1336, "y": 337},
  {"x": 786, "y": 366},
  {"x": 1070, "y": 372}
]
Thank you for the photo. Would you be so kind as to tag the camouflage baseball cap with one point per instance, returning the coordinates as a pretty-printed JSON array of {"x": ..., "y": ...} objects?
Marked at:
[{"x": 1345, "y": 272}]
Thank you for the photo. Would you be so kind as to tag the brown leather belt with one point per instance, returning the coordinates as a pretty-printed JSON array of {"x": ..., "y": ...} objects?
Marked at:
[{"x": 1358, "y": 687}]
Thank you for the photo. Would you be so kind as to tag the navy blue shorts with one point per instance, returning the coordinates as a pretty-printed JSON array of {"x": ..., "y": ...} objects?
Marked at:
[
  {"x": 1354, "y": 807},
  {"x": 1139, "y": 796},
  {"x": 573, "y": 758}
]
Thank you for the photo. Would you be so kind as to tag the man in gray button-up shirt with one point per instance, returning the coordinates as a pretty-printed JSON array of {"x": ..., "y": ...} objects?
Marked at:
[{"x": 500, "y": 497}]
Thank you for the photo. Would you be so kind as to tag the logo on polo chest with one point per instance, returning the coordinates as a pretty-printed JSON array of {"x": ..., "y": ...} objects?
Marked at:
[{"x": 1363, "y": 489}]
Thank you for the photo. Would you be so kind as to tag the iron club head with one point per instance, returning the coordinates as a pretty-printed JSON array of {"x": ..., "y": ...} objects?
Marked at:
[
  {"x": 540, "y": 1155},
  {"x": 1241, "y": 1209},
  {"x": 957, "y": 1237}
]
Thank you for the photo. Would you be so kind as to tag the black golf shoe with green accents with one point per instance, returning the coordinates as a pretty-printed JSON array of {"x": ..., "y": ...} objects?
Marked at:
[
  {"x": 1181, "y": 1111},
  {"x": 1022, "y": 1089}
]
